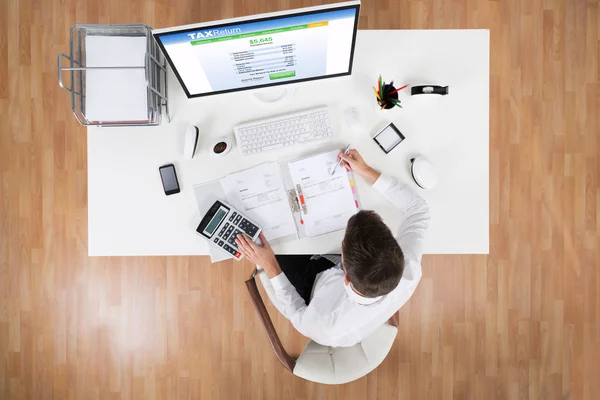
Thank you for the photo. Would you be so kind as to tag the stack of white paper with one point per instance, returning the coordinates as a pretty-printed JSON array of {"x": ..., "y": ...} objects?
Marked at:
[{"x": 115, "y": 94}]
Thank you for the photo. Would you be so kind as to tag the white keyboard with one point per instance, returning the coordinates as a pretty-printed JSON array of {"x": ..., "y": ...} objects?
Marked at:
[{"x": 283, "y": 131}]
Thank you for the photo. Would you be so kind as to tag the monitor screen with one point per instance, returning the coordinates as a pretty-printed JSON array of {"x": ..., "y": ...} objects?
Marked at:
[{"x": 262, "y": 51}]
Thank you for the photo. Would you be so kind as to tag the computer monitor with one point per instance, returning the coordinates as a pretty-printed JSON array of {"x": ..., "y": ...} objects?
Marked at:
[{"x": 262, "y": 50}]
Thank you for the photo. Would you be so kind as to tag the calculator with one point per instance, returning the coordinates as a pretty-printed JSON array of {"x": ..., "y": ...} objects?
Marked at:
[{"x": 221, "y": 225}]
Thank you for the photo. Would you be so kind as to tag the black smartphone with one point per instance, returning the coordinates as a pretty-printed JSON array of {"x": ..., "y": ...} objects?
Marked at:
[{"x": 169, "y": 179}]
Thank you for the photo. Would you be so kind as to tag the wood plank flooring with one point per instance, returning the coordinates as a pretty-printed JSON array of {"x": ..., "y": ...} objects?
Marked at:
[{"x": 521, "y": 323}]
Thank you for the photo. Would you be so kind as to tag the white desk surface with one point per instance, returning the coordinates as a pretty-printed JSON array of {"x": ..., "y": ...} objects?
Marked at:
[{"x": 129, "y": 214}]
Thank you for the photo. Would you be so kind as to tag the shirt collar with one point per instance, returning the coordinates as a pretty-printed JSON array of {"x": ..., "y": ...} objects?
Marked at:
[{"x": 357, "y": 298}]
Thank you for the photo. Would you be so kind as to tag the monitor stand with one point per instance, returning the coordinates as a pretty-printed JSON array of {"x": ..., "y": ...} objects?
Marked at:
[{"x": 273, "y": 97}]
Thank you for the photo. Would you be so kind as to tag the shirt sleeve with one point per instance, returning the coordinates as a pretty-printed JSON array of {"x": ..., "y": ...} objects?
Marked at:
[
  {"x": 293, "y": 307},
  {"x": 411, "y": 233}
]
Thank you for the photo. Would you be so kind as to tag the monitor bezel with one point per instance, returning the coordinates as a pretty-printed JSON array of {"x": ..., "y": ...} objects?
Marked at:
[{"x": 260, "y": 18}]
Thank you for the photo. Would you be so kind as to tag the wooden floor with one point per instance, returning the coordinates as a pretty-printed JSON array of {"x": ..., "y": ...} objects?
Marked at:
[{"x": 521, "y": 323}]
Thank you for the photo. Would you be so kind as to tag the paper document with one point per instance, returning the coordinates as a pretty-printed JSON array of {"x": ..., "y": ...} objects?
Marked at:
[
  {"x": 330, "y": 199},
  {"x": 116, "y": 94},
  {"x": 259, "y": 193}
]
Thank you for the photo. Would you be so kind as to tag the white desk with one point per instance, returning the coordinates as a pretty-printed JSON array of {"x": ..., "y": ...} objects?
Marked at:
[{"x": 130, "y": 215}]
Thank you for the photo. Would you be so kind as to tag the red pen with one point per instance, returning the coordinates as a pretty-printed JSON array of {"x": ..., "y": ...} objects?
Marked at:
[{"x": 397, "y": 90}]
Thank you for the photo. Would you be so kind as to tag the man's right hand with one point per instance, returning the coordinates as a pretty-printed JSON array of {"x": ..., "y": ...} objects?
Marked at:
[
  {"x": 356, "y": 163},
  {"x": 259, "y": 255}
]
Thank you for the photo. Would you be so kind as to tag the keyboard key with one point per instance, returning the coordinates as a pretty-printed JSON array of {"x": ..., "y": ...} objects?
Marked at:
[{"x": 272, "y": 147}]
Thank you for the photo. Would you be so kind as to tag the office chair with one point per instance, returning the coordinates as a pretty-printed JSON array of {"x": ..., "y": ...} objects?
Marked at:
[{"x": 318, "y": 363}]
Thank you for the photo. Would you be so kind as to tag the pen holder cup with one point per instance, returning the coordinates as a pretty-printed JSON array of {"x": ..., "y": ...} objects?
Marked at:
[{"x": 386, "y": 100}]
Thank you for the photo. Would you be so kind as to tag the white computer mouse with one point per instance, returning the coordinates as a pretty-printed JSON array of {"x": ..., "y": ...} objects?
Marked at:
[
  {"x": 352, "y": 117},
  {"x": 423, "y": 172},
  {"x": 191, "y": 141}
]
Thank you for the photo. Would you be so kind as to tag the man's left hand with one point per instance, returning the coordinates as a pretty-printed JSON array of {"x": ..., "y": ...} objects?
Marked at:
[{"x": 263, "y": 256}]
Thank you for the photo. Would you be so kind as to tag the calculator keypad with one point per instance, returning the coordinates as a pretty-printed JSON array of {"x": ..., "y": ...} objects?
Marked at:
[
  {"x": 233, "y": 237},
  {"x": 248, "y": 227},
  {"x": 236, "y": 225},
  {"x": 232, "y": 251},
  {"x": 228, "y": 232}
]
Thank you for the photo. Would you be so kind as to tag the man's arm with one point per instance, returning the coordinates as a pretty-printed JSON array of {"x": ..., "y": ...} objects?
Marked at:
[
  {"x": 305, "y": 319},
  {"x": 292, "y": 305},
  {"x": 411, "y": 233}
]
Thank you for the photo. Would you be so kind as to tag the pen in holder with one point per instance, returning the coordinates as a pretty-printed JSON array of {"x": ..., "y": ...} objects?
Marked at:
[
  {"x": 388, "y": 99},
  {"x": 387, "y": 95}
]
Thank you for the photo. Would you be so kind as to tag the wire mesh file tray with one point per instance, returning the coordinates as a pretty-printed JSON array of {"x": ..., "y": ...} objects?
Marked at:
[{"x": 118, "y": 76}]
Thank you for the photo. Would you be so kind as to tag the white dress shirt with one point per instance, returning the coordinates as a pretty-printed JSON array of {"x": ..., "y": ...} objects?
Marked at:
[{"x": 337, "y": 316}]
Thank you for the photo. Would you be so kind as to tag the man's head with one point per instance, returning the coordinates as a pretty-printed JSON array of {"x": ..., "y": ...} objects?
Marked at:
[{"x": 372, "y": 258}]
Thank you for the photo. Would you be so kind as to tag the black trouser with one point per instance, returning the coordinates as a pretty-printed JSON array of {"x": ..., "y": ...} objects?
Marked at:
[{"x": 301, "y": 271}]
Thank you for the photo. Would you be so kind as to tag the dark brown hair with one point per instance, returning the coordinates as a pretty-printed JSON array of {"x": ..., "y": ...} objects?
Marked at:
[{"x": 372, "y": 257}]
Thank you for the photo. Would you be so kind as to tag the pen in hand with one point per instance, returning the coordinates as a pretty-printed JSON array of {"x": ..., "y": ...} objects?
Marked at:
[{"x": 340, "y": 161}]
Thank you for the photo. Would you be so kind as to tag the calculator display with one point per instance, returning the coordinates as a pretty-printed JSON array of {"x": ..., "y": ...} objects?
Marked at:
[{"x": 215, "y": 221}]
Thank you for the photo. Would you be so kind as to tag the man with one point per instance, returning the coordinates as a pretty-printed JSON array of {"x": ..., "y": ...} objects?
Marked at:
[{"x": 338, "y": 301}]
